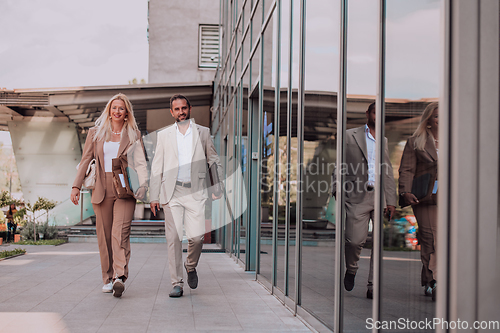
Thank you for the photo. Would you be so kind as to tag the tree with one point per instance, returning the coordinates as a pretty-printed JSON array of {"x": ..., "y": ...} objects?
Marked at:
[
  {"x": 6, "y": 199},
  {"x": 41, "y": 204}
]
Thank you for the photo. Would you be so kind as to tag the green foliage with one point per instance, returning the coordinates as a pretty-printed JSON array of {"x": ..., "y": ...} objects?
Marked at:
[
  {"x": 10, "y": 253},
  {"x": 57, "y": 241},
  {"x": 19, "y": 217},
  {"x": 41, "y": 204},
  {"x": 47, "y": 231},
  {"x": 6, "y": 199}
]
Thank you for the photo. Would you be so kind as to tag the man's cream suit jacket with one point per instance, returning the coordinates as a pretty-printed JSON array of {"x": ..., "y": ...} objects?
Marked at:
[
  {"x": 165, "y": 164},
  {"x": 356, "y": 169}
]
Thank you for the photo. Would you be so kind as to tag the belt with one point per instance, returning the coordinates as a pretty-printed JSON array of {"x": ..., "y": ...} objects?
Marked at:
[
  {"x": 183, "y": 184},
  {"x": 370, "y": 188}
]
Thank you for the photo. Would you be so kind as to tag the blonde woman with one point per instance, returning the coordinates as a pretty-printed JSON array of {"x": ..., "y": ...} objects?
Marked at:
[
  {"x": 420, "y": 159},
  {"x": 114, "y": 133}
]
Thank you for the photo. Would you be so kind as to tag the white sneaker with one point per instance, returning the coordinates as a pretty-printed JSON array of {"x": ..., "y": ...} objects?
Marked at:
[
  {"x": 107, "y": 288},
  {"x": 118, "y": 288}
]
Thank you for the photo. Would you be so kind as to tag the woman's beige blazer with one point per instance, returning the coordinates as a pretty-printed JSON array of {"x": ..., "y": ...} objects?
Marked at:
[
  {"x": 415, "y": 163},
  {"x": 95, "y": 150}
]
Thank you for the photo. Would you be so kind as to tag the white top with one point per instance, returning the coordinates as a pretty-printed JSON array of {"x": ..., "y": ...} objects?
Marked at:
[
  {"x": 110, "y": 152},
  {"x": 184, "y": 151},
  {"x": 370, "y": 150}
]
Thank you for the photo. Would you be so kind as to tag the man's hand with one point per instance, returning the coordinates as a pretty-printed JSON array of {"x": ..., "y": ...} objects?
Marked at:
[
  {"x": 389, "y": 212},
  {"x": 216, "y": 198},
  {"x": 75, "y": 195},
  {"x": 155, "y": 206}
]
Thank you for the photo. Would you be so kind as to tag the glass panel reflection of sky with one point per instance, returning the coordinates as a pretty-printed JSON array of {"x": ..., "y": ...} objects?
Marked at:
[{"x": 412, "y": 47}]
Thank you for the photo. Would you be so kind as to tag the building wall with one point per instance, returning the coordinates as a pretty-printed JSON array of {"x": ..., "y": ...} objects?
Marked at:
[
  {"x": 173, "y": 39},
  {"x": 40, "y": 148},
  {"x": 277, "y": 236},
  {"x": 469, "y": 261}
]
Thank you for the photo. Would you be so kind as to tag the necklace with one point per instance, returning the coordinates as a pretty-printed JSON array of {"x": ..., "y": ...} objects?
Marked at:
[{"x": 116, "y": 133}]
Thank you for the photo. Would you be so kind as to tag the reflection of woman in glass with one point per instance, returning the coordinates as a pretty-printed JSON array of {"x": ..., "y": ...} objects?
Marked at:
[
  {"x": 114, "y": 133},
  {"x": 420, "y": 162}
]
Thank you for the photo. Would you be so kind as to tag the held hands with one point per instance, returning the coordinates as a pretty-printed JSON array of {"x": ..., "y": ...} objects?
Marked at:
[
  {"x": 140, "y": 193},
  {"x": 75, "y": 195}
]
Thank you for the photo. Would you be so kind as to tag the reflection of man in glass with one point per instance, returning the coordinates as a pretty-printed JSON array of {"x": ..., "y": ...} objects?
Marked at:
[
  {"x": 178, "y": 175},
  {"x": 359, "y": 170}
]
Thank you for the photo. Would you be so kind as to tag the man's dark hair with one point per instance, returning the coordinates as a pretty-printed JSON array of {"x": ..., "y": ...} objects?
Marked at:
[
  {"x": 371, "y": 107},
  {"x": 179, "y": 96}
]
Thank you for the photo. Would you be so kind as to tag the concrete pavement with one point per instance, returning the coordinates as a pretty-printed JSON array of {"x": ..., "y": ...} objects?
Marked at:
[{"x": 58, "y": 289}]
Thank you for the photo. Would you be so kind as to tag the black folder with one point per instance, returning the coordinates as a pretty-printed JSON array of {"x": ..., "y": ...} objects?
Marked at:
[
  {"x": 215, "y": 185},
  {"x": 420, "y": 186}
]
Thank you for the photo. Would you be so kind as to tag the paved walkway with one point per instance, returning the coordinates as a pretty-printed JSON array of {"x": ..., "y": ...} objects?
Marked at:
[{"x": 58, "y": 289}]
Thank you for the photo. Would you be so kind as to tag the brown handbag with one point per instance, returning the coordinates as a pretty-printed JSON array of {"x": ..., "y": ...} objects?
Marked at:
[
  {"x": 90, "y": 175},
  {"x": 120, "y": 179}
]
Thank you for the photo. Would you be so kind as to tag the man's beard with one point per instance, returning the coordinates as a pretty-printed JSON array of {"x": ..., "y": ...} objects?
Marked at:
[{"x": 184, "y": 120}]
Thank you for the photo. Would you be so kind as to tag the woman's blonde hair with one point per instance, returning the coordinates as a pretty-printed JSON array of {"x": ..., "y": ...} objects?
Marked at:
[
  {"x": 422, "y": 132},
  {"x": 103, "y": 123}
]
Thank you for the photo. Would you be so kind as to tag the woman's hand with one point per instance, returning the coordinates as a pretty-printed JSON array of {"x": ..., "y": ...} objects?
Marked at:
[
  {"x": 410, "y": 198},
  {"x": 75, "y": 195},
  {"x": 140, "y": 193}
]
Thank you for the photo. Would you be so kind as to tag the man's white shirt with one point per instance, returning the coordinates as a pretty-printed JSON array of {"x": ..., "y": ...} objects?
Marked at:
[
  {"x": 184, "y": 151},
  {"x": 370, "y": 151}
]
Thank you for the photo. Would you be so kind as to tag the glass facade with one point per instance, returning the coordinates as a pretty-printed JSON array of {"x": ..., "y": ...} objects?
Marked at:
[{"x": 295, "y": 77}]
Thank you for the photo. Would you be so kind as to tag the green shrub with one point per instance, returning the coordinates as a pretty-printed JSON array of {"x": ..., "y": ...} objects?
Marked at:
[
  {"x": 47, "y": 231},
  {"x": 10, "y": 253},
  {"x": 57, "y": 241}
]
